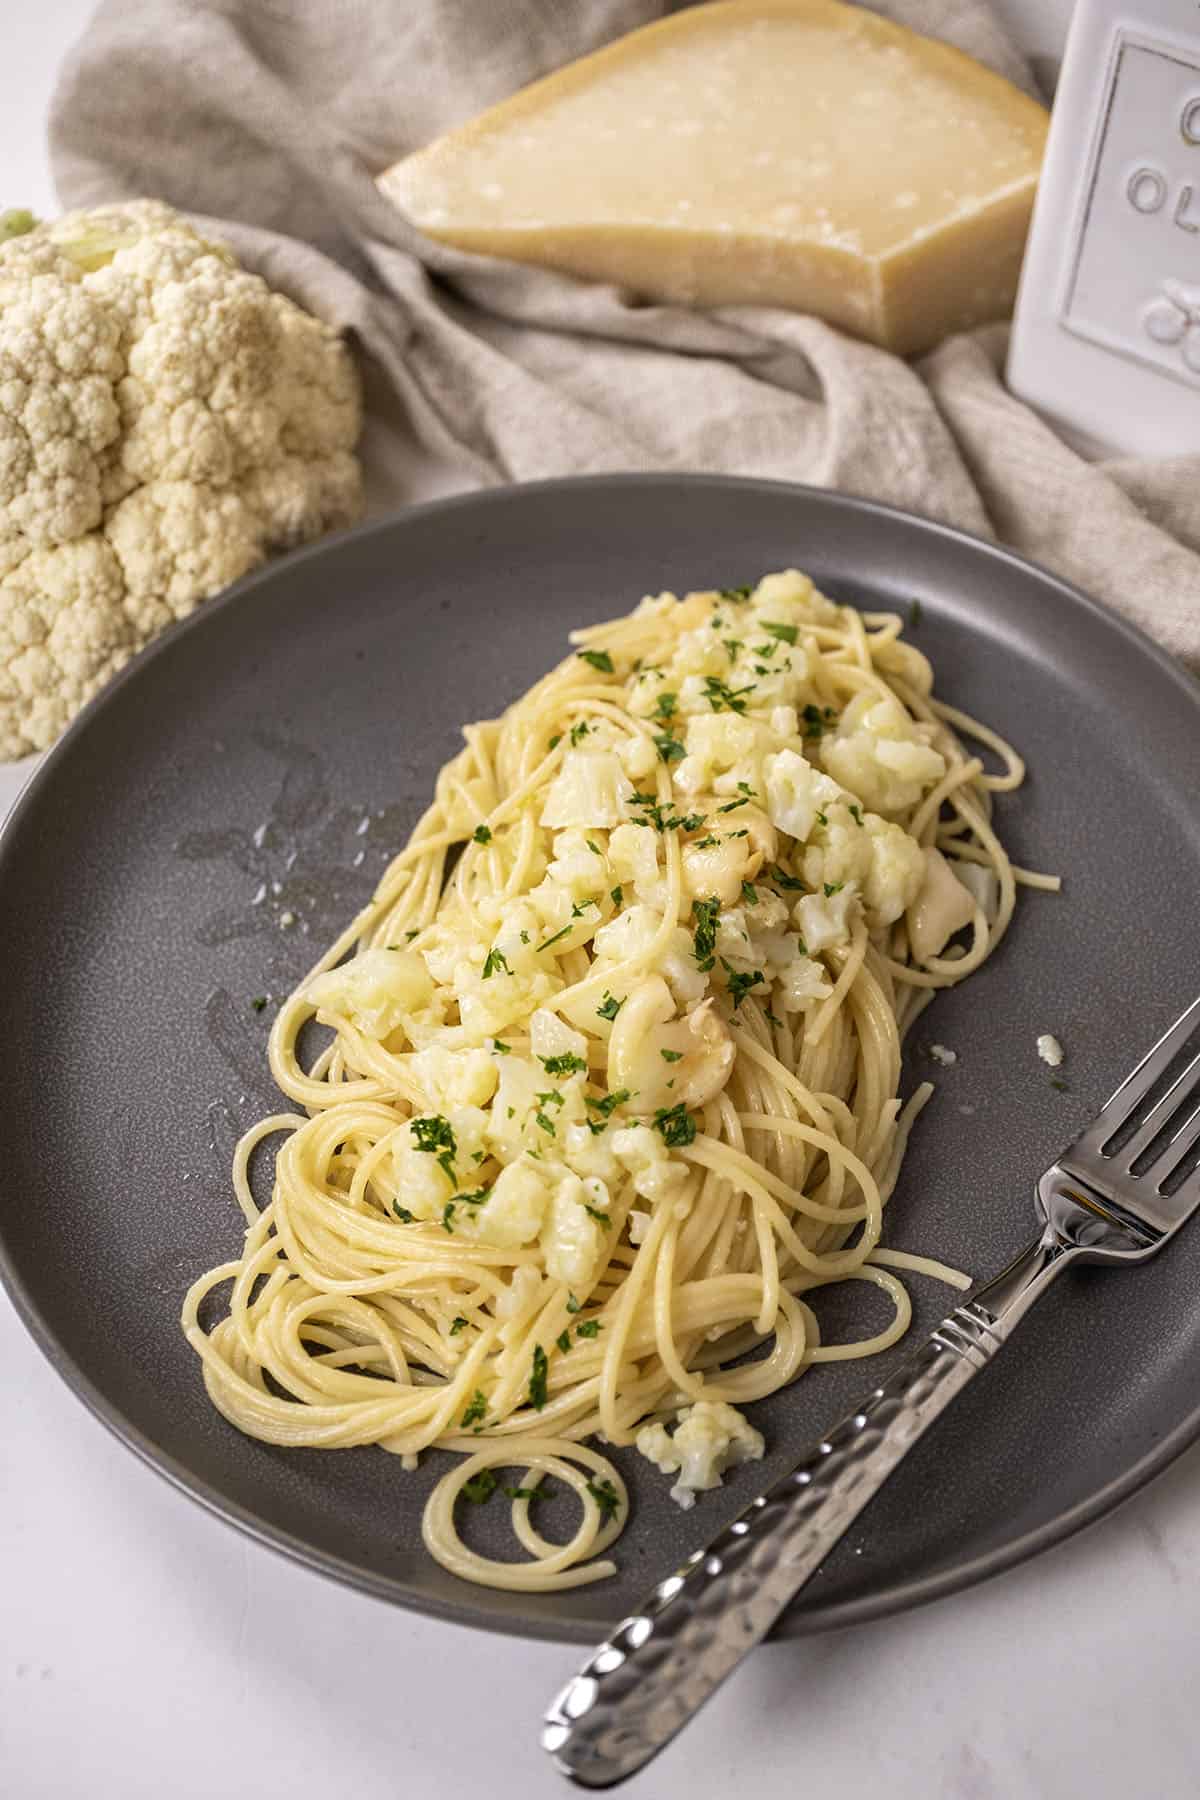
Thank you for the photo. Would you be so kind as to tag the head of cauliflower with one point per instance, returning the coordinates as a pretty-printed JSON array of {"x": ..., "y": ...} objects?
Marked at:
[{"x": 167, "y": 422}]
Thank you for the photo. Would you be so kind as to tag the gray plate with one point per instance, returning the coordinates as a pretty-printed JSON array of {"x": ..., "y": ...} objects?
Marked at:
[{"x": 269, "y": 756}]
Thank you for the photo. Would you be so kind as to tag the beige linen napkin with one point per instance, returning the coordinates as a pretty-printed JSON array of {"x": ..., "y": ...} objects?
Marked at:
[{"x": 271, "y": 117}]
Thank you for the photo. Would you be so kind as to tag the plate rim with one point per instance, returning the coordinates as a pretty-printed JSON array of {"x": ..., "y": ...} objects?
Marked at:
[{"x": 814, "y": 1618}]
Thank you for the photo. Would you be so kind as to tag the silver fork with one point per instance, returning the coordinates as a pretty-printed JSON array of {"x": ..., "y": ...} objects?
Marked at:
[{"x": 1109, "y": 1199}]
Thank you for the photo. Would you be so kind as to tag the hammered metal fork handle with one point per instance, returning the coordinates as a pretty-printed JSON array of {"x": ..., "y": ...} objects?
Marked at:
[{"x": 660, "y": 1666}]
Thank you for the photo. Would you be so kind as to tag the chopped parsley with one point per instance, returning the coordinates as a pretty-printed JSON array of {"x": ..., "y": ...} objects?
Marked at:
[
  {"x": 1057, "y": 1082},
  {"x": 448, "y": 1217},
  {"x": 665, "y": 705},
  {"x": 740, "y": 985},
  {"x": 914, "y": 614},
  {"x": 707, "y": 843},
  {"x": 519, "y": 1493},
  {"x": 436, "y": 1137},
  {"x": 597, "y": 659},
  {"x": 734, "y": 594},
  {"x": 477, "y": 1195},
  {"x": 476, "y": 1409},
  {"x": 460, "y": 1324},
  {"x": 496, "y": 962},
  {"x": 555, "y": 741},
  {"x": 722, "y": 698},
  {"x": 501, "y": 1048},
  {"x": 579, "y": 731},
  {"x": 822, "y": 818},
  {"x": 704, "y": 938},
  {"x": 671, "y": 1056},
  {"x": 784, "y": 880},
  {"x": 480, "y": 1488},
  {"x": 566, "y": 1064},
  {"x": 732, "y": 647},
  {"x": 563, "y": 1340},
  {"x": 556, "y": 937},
  {"x": 601, "y": 1218},
  {"x": 573, "y": 1304},
  {"x": 617, "y": 895},
  {"x": 669, "y": 748},
  {"x": 589, "y": 1329},
  {"x": 482, "y": 835},
  {"x": 817, "y": 719},
  {"x": 783, "y": 634},
  {"x": 832, "y": 888},
  {"x": 260, "y": 1003},
  {"x": 610, "y": 1006},
  {"x": 402, "y": 1213},
  {"x": 749, "y": 893},
  {"x": 610, "y": 1102},
  {"x": 663, "y": 820},
  {"x": 537, "y": 1378},
  {"x": 543, "y": 1123},
  {"x": 594, "y": 848},
  {"x": 606, "y": 1497},
  {"x": 855, "y": 812},
  {"x": 676, "y": 1124}
]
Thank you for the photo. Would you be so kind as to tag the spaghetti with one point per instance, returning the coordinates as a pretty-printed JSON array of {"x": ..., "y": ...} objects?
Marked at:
[{"x": 611, "y": 1087}]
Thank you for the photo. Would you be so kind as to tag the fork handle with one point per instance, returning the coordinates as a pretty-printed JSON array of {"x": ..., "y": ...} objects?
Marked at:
[{"x": 660, "y": 1665}]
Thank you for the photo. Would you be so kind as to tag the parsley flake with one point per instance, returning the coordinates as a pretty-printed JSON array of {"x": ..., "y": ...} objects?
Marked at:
[
  {"x": 783, "y": 634},
  {"x": 734, "y": 594},
  {"x": 556, "y": 937},
  {"x": 739, "y": 984},
  {"x": 704, "y": 938},
  {"x": 480, "y": 1488},
  {"x": 617, "y": 895},
  {"x": 501, "y": 1048},
  {"x": 606, "y": 1497},
  {"x": 671, "y": 1056},
  {"x": 402, "y": 1213},
  {"x": 566, "y": 1064},
  {"x": 722, "y": 698},
  {"x": 495, "y": 963},
  {"x": 481, "y": 835},
  {"x": 435, "y": 1136},
  {"x": 597, "y": 659},
  {"x": 476, "y": 1408},
  {"x": 749, "y": 893},
  {"x": 563, "y": 1340},
  {"x": 669, "y": 748},
  {"x": 665, "y": 705},
  {"x": 589, "y": 1329},
  {"x": 602, "y": 1218},
  {"x": 832, "y": 888},
  {"x": 573, "y": 1304},
  {"x": 537, "y": 1378},
  {"x": 460, "y": 1324},
  {"x": 260, "y": 1003},
  {"x": 610, "y": 1006},
  {"x": 676, "y": 1124},
  {"x": 784, "y": 880},
  {"x": 579, "y": 731},
  {"x": 855, "y": 812}
]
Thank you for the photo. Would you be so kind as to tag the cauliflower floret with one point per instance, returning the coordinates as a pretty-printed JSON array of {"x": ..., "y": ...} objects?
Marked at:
[
  {"x": 630, "y": 935},
  {"x": 791, "y": 596},
  {"x": 589, "y": 791},
  {"x": 577, "y": 867},
  {"x": 434, "y": 1158},
  {"x": 166, "y": 423},
  {"x": 880, "y": 856},
  {"x": 573, "y": 1238},
  {"x": 656, "y": 1174},
  {"x": 802, "y": 982},
  {"x": 633, "y": 855},
  {"x": 796, "y": 793},
  {"x": 454, "y": 1077},
  {"x": 375, "y": 991},
  {"x": 550, "y": 1036},
  {"x": 715, "y": 743},
  {"x": 824, "y": 919},
  {"x": 513, "y": 1213},
  {"x": 518, "y": 1297},
  {"x": 710, "y": 1437},
  {"x": 878, "y": 752}
]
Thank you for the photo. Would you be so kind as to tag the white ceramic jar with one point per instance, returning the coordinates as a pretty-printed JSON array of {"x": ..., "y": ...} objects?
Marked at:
[{"x": 1106, "y": 337}]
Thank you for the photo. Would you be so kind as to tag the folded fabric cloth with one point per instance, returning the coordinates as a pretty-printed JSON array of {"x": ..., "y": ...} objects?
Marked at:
[{"x": 270, "y": 120}]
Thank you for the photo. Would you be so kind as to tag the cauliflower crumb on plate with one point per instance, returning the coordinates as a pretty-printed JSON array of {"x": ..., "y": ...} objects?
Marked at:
[{"x": 709, "y": 1438}]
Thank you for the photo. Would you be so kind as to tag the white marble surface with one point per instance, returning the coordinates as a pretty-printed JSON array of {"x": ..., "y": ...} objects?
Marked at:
[{"x": 147, "y": 1650}]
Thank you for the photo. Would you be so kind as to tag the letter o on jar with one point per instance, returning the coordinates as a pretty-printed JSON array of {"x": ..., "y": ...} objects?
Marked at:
[
  {"x": 1146, "y": 190},
  {"x": 1189, "y": 121}
]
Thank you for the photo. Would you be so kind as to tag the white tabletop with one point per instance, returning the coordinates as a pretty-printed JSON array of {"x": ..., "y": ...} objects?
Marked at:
[{"x": 149, "y": 1651}]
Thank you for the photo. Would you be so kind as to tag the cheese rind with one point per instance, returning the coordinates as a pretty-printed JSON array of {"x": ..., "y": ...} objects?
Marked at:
[{"x": 795, "y": 153}]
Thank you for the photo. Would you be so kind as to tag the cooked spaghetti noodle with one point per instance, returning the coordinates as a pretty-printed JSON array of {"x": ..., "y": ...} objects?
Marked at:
[{"x": 611, "y": 1090}]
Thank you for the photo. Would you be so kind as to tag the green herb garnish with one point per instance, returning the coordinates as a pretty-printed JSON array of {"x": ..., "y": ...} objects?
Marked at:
[
  {"x": 610, "y": 1006},
  {"x": 460, "y": 1324},
  {"x": 260, "y": 1003},
  {"x": 855, "y": 812},
  {"x": 676, "y": 1124},
  {"x": 589, "y": 1329},
  {"x": 783, "y": 634},
  {"x": 480, "y": 1488},
  {"x": 704, "y": 937},
  {"x": 740, "y": 985},
  {"x": 481, "y": 835},
  {"x": 537, "y": 1378},
  {"x": 606, "y": 1497},
  {"x": 496, "y": 963},
  {"x": 671, "y": 1056},
  {"x": 402, "y": 1213},
  {"x": 566, "y": 1064},
  {"x": 476, "y": 1409},
  {"x": 617, "y": 895},
  {"x": 597, "y": 659},
  {"x": 573, "y": 1304},
  {"x": 563, "y": 1340},
  {"x": 669, "y": 748},
  {"x": 436, "y": 1137}
]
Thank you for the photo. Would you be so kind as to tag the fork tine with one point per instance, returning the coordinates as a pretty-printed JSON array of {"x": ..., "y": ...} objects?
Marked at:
[
  {"x": 1124, "y": 1102},
  {"x": 1174, "y": 1152},
  {"x": 1161, "y": 1112}
]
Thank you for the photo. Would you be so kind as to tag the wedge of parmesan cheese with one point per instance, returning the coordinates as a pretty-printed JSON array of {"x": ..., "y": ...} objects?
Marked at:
[{"x": 795, "y": 153}]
